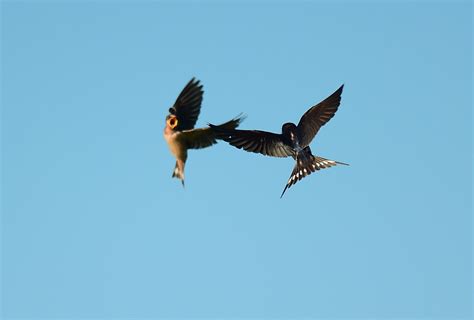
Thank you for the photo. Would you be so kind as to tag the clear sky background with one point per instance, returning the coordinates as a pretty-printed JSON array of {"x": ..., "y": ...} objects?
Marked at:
[{"x": 93, "y": 226}]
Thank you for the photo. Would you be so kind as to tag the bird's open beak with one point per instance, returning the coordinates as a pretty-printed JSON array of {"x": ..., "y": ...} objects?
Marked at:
[{"x": 172, "y": 122}]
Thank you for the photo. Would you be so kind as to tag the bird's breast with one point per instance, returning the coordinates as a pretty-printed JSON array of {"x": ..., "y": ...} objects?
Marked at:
[
  {"x": 174, "y": 144},
  {"x": 294, "y": 141}
]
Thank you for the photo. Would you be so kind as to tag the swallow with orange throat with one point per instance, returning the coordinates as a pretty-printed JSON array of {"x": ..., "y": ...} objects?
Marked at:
[{"x": 179, "y": 131}]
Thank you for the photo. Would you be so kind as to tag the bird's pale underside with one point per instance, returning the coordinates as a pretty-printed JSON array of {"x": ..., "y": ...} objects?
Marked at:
[{"x": 179, "y": 131}]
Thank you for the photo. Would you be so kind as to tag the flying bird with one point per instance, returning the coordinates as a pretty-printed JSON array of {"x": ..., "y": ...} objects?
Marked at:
[
  {"x": 179, "y": 131},
  {"x": 293, "y": 141}
]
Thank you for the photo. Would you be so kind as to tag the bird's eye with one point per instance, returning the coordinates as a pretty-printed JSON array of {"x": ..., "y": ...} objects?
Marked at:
[{"x": 173, "y": 122}]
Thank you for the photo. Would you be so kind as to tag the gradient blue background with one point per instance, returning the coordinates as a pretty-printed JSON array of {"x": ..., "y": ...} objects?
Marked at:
[{"x": 93, "y": 226}]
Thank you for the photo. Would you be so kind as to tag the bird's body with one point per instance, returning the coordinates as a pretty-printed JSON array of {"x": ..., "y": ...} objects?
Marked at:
[
  {"x": 178, "y": 150},
  {"x": 289, "y": 133},
  {"x": 179, "y": 131},
  {"x": 174, "y": 144},
  {"x": 293, "y": 141}
]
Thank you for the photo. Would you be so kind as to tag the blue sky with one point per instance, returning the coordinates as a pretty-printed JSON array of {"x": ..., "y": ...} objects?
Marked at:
[{"x": 93, "y": 226}]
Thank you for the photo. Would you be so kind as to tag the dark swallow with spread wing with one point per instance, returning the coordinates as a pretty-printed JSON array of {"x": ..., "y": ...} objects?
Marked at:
[
  {"x": 179, "y": 131},
  {"x": 293, "y": 141}
]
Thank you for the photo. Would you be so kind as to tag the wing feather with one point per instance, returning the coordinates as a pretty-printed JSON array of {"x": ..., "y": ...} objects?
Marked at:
[
  {"x": 317, "y": 116},
  {"x": 188, "y": 105},
  {"x": 266, "y": 143},
  {"x": 206, "y": 137}
]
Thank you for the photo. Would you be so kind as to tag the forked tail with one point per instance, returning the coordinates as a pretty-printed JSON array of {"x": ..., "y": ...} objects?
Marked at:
[
  {"x": 178, "y": 171},
  {"x": 306, "y": 164}
]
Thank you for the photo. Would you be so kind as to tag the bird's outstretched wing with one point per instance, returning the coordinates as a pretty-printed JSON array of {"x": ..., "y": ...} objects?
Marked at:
[
  {"x": 317, "y": 116},
  {"x": 206, "y": 137},
  {"x": 188, "y": 105},
  {"x": 266, "y": 143}
]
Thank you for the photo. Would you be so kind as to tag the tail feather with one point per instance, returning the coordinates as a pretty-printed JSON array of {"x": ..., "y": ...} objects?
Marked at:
[
  {"x": 307, "y": 164},
  {"x": 178, "y": 172}
]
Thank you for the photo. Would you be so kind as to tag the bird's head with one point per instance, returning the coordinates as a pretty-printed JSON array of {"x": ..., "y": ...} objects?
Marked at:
[
  {"x": 288, "y": 127},
  {"x": 288, "y": 130},
  {"x": 171, "y": 121}
]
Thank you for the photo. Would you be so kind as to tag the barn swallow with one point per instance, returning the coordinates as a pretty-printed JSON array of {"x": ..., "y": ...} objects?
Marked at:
[
  {"x": 179, "y": 131},
  {"x": 293, "y": 141}
]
